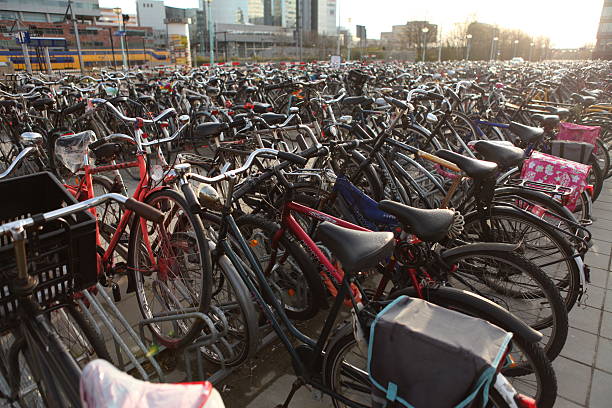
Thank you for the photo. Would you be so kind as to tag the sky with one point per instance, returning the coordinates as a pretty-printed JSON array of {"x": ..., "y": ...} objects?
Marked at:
[{"x": 568, "y": 23}]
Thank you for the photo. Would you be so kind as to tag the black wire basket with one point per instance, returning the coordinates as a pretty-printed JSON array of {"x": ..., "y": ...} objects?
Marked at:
[{"x": 61, "y": 253}]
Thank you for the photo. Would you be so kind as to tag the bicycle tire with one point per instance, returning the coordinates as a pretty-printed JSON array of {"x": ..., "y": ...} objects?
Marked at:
[
  {"x": 567, "y": 280},
  {"x": 190, "y": 329},
  {"x": 344, "y": 339},
  {"x": 546, "y": 293},
  {"x": 250, "y": 335}
]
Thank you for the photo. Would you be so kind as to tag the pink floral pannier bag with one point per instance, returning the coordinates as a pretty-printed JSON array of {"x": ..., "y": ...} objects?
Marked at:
[{"x": 544, "y": 168}]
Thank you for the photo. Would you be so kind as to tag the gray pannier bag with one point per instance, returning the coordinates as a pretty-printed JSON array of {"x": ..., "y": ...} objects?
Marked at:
[
  {"x": 575, "y": 151},
  {"x": 422, "y": 355}
]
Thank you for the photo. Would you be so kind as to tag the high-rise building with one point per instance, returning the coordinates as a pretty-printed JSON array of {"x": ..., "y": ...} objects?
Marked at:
[
  {"x": 151, "y": 13},
  {"x": 48, "y": 11},
  {"x": 326, "y": 17},
  {"x": 228, "y": 11},
  {"x": 603, "y": 47},
  {"x": 256, "y": 11}
]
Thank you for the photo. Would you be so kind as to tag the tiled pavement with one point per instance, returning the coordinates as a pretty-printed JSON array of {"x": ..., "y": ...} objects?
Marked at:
[{"x": 584, "y": 369}]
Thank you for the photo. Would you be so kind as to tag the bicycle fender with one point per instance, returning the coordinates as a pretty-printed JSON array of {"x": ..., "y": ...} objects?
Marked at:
[
  {"x": 477, "y": 247},
  {"x": 496, "y": 314}
]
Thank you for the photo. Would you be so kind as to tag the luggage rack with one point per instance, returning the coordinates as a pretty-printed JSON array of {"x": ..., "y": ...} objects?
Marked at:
[{"x": 551, "y": 189}]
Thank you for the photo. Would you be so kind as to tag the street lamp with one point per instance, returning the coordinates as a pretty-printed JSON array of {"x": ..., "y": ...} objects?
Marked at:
[
  {"x": 424, "y": 30},
  {"x": 469, "y": 45},
  {"x": 531, "y": 50},
  {"x": 118, "y": 11},
  {"x": 211, "y": 39},
  {"x": 493, "y": 46},
  {"x": 515, "y": 47}
]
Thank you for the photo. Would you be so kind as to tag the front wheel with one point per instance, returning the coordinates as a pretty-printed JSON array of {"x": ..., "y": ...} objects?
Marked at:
[{"x": 171, "y": 268}]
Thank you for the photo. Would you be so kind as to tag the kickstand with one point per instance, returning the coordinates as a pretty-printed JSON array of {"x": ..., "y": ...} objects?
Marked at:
[{"x": 297, "y": 384}]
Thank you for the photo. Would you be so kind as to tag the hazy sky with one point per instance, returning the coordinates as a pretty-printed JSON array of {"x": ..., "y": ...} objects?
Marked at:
[{"x": 569, "y": 23}]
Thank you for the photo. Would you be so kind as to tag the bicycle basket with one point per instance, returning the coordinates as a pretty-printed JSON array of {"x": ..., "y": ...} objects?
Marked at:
[
  {"x": 70, "y": 150},
  {"x": 423, "y": 355},
  {"x": 62, "y": 254}
]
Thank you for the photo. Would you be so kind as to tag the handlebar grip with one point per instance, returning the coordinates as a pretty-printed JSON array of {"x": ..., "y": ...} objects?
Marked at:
[
  {"x": 144, "y": 210},
  {"x": 293, "y": 158}
]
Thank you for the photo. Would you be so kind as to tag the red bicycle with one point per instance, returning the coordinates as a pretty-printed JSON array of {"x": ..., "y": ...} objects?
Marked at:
[{"x": 167, "y": 263}]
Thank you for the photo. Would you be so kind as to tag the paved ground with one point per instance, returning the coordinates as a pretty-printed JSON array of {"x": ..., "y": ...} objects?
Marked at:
[{"x": 584, "y": 369}]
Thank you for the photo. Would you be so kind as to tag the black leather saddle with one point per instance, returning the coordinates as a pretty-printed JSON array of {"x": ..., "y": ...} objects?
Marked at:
[
  {"x": 528, "y": 134},
  {"x": 356, "y": 250},
  {"x": 210, "y": 129},
  {"x": 272, "y": 118},
  {"x": 474, "y": 168},
  {"x": 505, "y": 154},
  {"x": 428, "y": 225},
  {"x": 548, "y": 122}
]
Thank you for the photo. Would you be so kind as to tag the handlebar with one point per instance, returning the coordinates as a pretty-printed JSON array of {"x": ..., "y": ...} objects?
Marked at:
[
  {"x": 248, "y": 163},
  {"x": 141, "y": 209}
]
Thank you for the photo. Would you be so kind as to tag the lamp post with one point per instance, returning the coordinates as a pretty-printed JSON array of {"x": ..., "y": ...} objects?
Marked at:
[
  {"x": 467, "y": 48},
  {"x": 493, "y": 47},
  {"x": 424, "y": 30},
  {"x": 515, "y": 47},
  {"x": 211, "y": 34},
  {"x": 118, "y": 11},
  {"x": 531, "y": 50}
]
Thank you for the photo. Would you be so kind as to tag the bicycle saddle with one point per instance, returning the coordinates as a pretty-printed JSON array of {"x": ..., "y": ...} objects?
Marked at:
[
  {"x": 118, "y": 99},
  {"x": 546, "y": 121},
  {"x": 9, "y": 103},
  {"x": 42, "y": 104},
  {"x": 356, "y": 100},
  {"x": 563, "y": 113},
  {"x": 526, "y": 133},
  {"x": 210, "y": 129},
  {"x": 505, "y": 154},
  {"x": 584, "y": 100},
  {"x": 259, "y": 107},
  {"x": 356, "y": 250},
  {"x": 474, "y": 168},
  {"x": 272, "y": 118},
  {"x": 428, "y": 225},
  {"x": 145, "y": 98},
  {"x": 103, "y": 385}
]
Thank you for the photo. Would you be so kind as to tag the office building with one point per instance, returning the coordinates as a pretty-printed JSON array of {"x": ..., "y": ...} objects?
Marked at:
[
  {"x": 109, "y": 17},
  {"x": 48, "y": 11},
  {"x": 603, "y": 47}
]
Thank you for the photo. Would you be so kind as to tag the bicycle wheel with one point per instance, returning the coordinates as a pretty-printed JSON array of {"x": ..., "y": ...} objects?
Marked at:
[
  {"x": 345, "y": 369},
  {"x": 171, "y": 268},
  {"x": 518, "y": 286},
  {"x": 293, "y": 274},
  {"x": 77, "y": 333},
  {"x": 231, "y": 295},
  {"x": 537, "y": 241},
  {"x": 108, "y": 216}
]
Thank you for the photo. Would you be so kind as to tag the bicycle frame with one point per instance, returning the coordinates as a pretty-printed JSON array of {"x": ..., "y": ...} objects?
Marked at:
[{"x": 305, "y": 370}]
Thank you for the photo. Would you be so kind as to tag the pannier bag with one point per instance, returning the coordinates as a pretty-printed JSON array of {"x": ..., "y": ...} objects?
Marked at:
[
  {"x": 544, "y": 168},
  {"x": 578, "y": 133},
  {"x": 575, "y": 151},
  {"x": 421, "y": 355}
]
